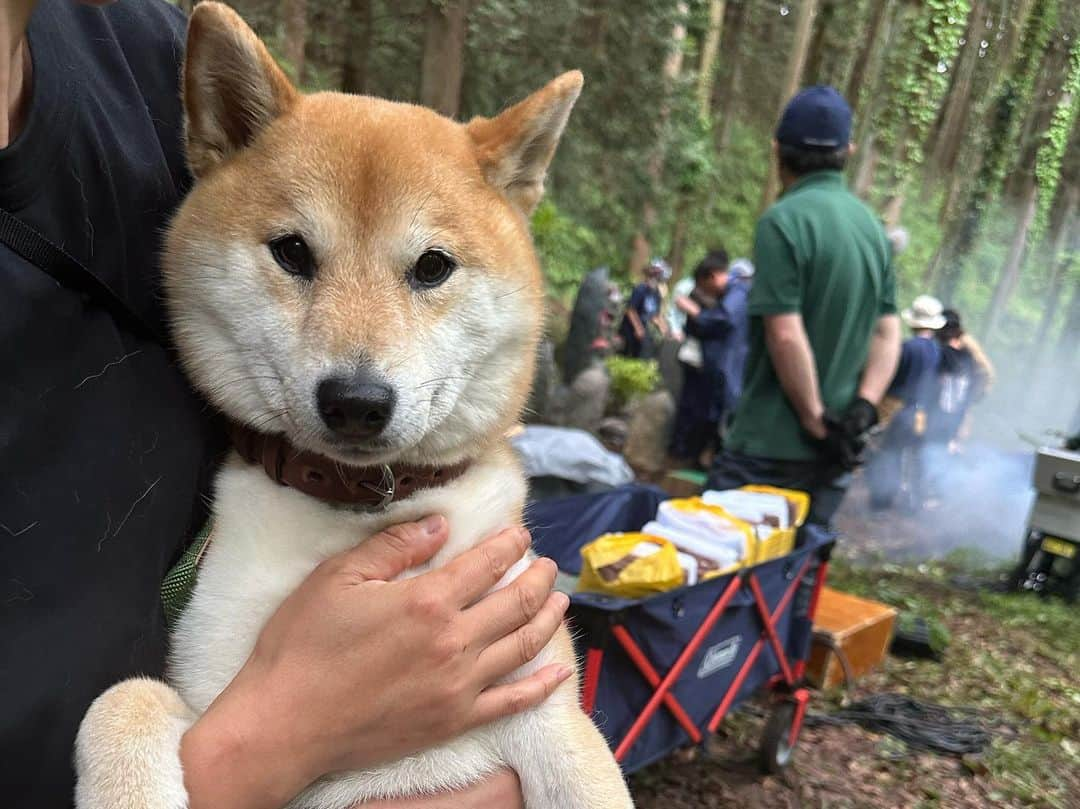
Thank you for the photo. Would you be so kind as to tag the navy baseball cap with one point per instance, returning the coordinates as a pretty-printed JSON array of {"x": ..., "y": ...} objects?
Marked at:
[{"x": 816, "y": 118}]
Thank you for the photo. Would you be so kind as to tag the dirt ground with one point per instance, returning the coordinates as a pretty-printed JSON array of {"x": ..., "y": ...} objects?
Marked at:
[{"x": 1014, "y": 658}]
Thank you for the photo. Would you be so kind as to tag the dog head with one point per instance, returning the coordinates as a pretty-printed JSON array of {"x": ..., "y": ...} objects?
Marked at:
[{"x": 355, "y": 273}]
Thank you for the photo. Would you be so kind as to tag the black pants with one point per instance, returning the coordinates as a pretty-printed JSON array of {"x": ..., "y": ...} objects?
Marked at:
[
  {"x": 826, "y": 484},
  {"x": 694, "y": 431},
  {"x": 898, "y": 467}
]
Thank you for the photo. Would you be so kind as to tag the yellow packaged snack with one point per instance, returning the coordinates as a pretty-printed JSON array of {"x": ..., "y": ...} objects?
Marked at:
[
  {"x": 630, "y": 565},
  {"x": 781, "y": 542}
]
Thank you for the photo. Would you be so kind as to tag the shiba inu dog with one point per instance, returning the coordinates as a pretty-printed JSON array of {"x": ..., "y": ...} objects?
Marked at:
[{"x": 353, "y": 279}]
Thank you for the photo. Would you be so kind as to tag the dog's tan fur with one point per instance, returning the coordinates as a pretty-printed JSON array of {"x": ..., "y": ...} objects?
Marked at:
[{"x": 370, "y": 184}]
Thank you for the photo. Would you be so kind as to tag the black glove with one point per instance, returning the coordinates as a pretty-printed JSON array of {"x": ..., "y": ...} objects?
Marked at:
[
  {"x": 847, "y": 435},
  {"x": 859, "y": 417}
]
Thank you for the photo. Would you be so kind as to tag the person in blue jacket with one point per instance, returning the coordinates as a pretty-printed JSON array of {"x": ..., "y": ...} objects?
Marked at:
[
  {"x": 718, "y": 324},
  {"x": 643, "y": 311},
  {"x": 915, "y": 385}
]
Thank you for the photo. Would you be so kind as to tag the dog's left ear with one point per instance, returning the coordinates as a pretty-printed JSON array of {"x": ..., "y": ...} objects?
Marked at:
[
  {"x": 233, "y": 89},
  {"x": 515, "y": 148}
]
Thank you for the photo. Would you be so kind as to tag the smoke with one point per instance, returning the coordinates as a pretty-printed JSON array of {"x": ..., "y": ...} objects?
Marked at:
[{"x": 983, "y": 494}]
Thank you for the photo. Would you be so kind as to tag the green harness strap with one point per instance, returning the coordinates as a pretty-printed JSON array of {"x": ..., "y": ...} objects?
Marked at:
[{"x": 179, "y": 582}]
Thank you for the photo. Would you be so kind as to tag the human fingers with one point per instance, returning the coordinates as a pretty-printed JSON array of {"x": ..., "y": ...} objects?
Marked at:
[
  {"x": 394, "y": 550},
  {"x": 496, "y": 615},
  {"x": 480, "y": 568},
  {"x": 523, "y": 644},
  {"x": 512, "y": 698}
]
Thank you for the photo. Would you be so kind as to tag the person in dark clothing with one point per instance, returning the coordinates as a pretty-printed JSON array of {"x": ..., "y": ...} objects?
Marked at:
[
  {"x": 899, "y": 463},
  {"x": 706, "y": 326},
  {"x": 960, "y": 383},
  {"x": 731, "y": 353},
  {"x": 106, "y": 450},
  {"x": 824, "y": 335},
  {"x": 643, "y": 311}
]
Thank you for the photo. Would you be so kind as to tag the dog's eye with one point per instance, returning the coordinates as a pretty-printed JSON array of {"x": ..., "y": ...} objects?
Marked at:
[
  {"x": 431, "y": 269},
  {"x": 293, "y": 254}
]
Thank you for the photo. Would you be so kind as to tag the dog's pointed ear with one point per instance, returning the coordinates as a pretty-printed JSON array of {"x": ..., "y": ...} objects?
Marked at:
[
  {"x": 515, "y": 148},
  {"x": 232, "y": 86}
]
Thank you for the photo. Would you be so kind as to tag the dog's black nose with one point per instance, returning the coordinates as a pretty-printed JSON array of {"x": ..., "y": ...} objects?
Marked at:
[{"x": 355, "y": 407}]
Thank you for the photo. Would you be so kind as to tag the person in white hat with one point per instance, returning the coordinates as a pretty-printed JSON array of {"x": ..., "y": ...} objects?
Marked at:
[
  {"x": 914, "y": 386},
  {"x": 926, "y": 313}
]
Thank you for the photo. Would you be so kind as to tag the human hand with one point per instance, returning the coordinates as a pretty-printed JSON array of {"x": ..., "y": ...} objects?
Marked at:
[
  {"x": 354, "y": 669},
  {"x": 501, "y": 789},
  {"x": 847, "y": 435},
  {"x": 688, "y": 305}
]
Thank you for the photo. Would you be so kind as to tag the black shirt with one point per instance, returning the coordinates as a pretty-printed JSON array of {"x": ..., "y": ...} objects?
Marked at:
[{"x": 103, "y": 446}]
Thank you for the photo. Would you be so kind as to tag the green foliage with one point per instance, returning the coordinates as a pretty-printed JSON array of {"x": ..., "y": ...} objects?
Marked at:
[
  {"x": 631, "y": 378},
  {"x": 1049, "y": 159},
  {"x": 919, "y": 81},
  {"x": 1015, "y": 96},
  {"x": 567, "y": 249},
  {"x": 711, "y": 183}
]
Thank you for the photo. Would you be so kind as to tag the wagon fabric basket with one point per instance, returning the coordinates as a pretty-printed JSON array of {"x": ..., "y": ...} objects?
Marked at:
[{"x": 664, "y": 671}]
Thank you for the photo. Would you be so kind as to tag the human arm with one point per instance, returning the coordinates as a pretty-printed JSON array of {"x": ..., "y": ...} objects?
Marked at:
[
  {"x": 687, "y": 305},
  {"x": 882, "y": 359},
  {"x": 709, "y": 323},
  {"x": 635, "y": 323},
  {"x": 661, "y": 325},
  {"x": 353, "y": 669},
  {"x": 793, "y": 360},
  {"x": 984, "y": 368}
]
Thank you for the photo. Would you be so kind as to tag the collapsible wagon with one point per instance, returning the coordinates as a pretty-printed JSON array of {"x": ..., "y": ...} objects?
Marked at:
[{"x": 664, "y": 671}]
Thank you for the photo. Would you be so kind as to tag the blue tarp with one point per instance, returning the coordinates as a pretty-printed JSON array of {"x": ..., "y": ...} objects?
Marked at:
[{"x": 663, "y": 624}]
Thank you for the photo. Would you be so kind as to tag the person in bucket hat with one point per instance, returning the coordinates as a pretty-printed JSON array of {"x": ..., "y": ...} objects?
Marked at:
[
  {"x": 925, "y": 312},
  {"x": 914, "y": 388}
]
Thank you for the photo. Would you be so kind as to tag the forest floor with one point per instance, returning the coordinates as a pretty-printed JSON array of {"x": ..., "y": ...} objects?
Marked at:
[{"x": 1013, "y": 658}]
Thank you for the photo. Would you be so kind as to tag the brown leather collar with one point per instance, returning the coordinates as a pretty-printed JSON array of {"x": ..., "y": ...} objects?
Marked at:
[{"x": 326, "y": 479}]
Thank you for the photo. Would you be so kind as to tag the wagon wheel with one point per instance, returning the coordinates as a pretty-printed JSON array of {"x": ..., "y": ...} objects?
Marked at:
[{"x": 776, "y": 747}]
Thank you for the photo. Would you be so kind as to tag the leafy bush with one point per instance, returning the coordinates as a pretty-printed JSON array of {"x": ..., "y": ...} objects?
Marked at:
[
  {"x": 631, "y": 378},
  {"x": 567, "y": 249}
]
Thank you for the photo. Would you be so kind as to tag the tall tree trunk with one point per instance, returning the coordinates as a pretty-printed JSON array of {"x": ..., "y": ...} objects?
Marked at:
[
  {"x": 1070, "y": 333},
  {"x": 294, "y": 14},
  {"x": 1014, "y": 261},
  {"x": 640, "y": 247},
  {"x": 1062, "y": 254},
  {"x": 443, "y": 65},
  {"x": 882, "y": 12},
  {"x": 1024, "y": 53},
  {"x": 709, "y": 50},
  {"x": 733, "y": 85},
  {"x": 677, "y": 254},
  {"x": 804, "y": 27},
  {"x": 952, "y": 123},
  {"x": 867, "y": 168},
  {"x": 816, "y": 54},
  {"x": 358, "y": 31}
]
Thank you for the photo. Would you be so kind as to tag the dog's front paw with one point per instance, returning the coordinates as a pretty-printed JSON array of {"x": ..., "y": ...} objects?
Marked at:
[{"x": 127, "y": 752}]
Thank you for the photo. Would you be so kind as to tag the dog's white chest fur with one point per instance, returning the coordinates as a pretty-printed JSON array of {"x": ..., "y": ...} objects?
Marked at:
[{"x": 267, "y": 539}]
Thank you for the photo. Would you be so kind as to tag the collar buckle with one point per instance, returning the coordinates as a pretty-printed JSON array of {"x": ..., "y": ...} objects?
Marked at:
[{"x": 385, "y": 488}]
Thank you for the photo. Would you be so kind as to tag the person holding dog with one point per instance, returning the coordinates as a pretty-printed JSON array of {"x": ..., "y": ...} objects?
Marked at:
[
  {"x": 824, "y": 334},
  {"x": 105, "y": 451}
]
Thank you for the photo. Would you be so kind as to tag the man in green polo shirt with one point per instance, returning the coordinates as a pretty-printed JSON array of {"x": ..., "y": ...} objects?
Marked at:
[{"x": 824, "y": 335}]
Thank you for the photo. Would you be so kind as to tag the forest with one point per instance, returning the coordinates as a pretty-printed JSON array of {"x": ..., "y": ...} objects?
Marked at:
[{"x": 966, "y": 126}]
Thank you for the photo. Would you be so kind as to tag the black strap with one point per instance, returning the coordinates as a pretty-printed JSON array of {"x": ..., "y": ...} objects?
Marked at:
[{"x": 68, "y": 271}]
